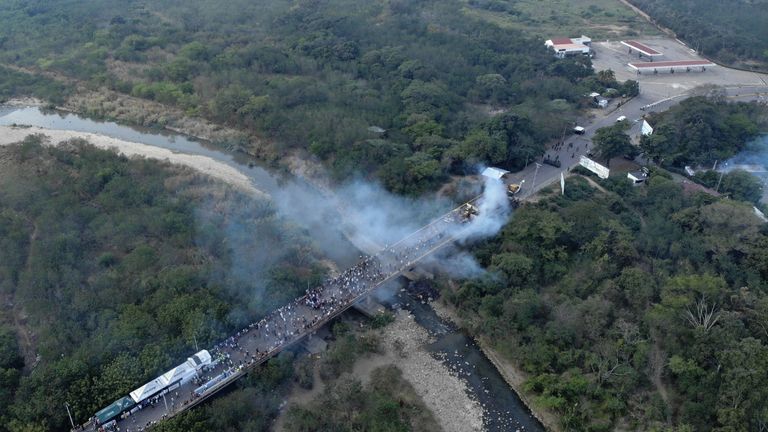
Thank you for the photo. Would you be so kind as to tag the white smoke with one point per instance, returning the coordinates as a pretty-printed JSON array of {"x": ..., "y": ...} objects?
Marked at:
[
  {"x": 454, "y": 263},
  {"x": 370, "y": 217},
  {"x": 494, "y": 210}
]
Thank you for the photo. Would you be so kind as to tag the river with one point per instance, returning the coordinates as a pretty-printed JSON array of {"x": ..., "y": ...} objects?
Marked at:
[{"x": 504, "y": 409}]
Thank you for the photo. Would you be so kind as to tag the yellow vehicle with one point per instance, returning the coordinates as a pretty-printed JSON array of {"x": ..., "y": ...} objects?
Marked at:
[{"x": 513, "y": 188}]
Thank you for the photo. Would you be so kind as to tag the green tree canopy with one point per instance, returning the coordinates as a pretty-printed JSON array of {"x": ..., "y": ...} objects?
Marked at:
[{"x": 613, "y": 141}]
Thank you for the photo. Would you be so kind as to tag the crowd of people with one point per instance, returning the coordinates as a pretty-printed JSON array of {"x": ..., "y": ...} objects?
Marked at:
[{"x": 260, "y": 340}]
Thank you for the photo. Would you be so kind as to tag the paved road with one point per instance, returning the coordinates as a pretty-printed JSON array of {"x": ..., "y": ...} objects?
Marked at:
[
  {"x": 578, "y": 145},
  {"x": 261, "y": 340}
]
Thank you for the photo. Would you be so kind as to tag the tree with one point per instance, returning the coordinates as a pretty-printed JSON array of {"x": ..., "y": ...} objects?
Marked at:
[
  {"x": 742, "y": 402},
  {"x": 741, "y": 185},
  {"x": 493, "y": 87},
  {"x": 701, "y": 315},
  {"x": 606, "y": 77},
  {"x": 611, "y": 142},
  {"x": 515, "y": 267},
  {"x": 631, "y": 88}
]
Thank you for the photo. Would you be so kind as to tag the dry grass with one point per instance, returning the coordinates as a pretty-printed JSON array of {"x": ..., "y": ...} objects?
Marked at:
[{"x": 599, "y": 19}]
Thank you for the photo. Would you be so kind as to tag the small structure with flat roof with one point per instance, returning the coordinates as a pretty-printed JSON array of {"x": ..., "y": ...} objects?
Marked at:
[
  {"x": 315, "y": 345},
  {"x": 671, "y": 66},
  {"x": 641, "y": 48},
  {"x": 494, "y": 173}
]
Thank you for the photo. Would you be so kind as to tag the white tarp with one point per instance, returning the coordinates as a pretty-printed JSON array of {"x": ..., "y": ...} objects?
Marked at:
[
  {"x": 595, "y": 167},
  {"x": 562, "y": 183},
  {"x": 495, "y": 173},
  {"x": 202, "y": 358},
  {"x": 147, "y": 390},
  {"x": 646, "y": 128},
  {"x": 180, "y": 373}
]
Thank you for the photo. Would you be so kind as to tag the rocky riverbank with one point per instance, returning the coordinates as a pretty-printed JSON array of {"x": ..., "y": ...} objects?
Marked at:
[
  {"x": 403, "y": 344},
  {"x": 439, "y": 386},
  {"x": 514, "y": 377}
]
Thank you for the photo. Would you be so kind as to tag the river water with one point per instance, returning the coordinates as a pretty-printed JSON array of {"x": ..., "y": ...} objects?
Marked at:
[{"x": 504, "y": 409}]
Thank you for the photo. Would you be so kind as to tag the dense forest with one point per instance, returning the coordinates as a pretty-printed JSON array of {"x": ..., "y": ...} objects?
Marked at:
[
  {"x": 113, "y": 268},
  {"x": 635, "y": 308},
  {"x": 638, "y": 308},
  {"x": 701, "y": 130},
  {"x": 366, "y": 86},
  {"x": 732, "y": 32}
]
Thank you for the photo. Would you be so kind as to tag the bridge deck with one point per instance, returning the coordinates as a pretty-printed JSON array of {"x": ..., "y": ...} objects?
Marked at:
[{"x": 260, "y": 341}]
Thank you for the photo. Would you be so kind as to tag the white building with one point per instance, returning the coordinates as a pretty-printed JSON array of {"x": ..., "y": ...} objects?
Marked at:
[
  {"x": 494, "y": 173},
  {"x": 646, "y": 128},
  {"x": 564, "y": 47}
]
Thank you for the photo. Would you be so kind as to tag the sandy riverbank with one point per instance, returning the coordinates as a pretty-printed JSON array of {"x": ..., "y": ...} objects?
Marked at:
[
  {"x": 403, "y": 345},
  {"x": 205, "y": 165}
]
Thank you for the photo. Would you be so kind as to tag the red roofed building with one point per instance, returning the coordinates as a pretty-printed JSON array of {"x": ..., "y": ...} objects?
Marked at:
[
  {"x": 559, "y": 41},
  {"x": 641, "y": 49},
  {"x": 564, "y": 47}
]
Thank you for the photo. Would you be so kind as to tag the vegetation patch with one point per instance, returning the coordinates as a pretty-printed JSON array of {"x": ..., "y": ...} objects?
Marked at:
[
  {"x": 122, "y": 265},
  {"x": 363, "y": 85},
  {"x": 701, "y": 130},
  {"x": 599, "y": 19},
  {"x": 641, "y": 306},
  {"x": 387, "y": 403}
]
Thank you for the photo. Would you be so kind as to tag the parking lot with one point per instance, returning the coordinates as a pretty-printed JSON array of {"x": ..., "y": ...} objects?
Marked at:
[{"x": 615, "y": 56}]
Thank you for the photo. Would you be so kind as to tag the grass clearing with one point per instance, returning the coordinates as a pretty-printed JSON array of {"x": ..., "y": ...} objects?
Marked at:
[{"x": 599, "y": 19}]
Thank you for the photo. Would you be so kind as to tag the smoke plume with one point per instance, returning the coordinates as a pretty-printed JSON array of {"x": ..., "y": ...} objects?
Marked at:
[{"x": 370, "y": 217}]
